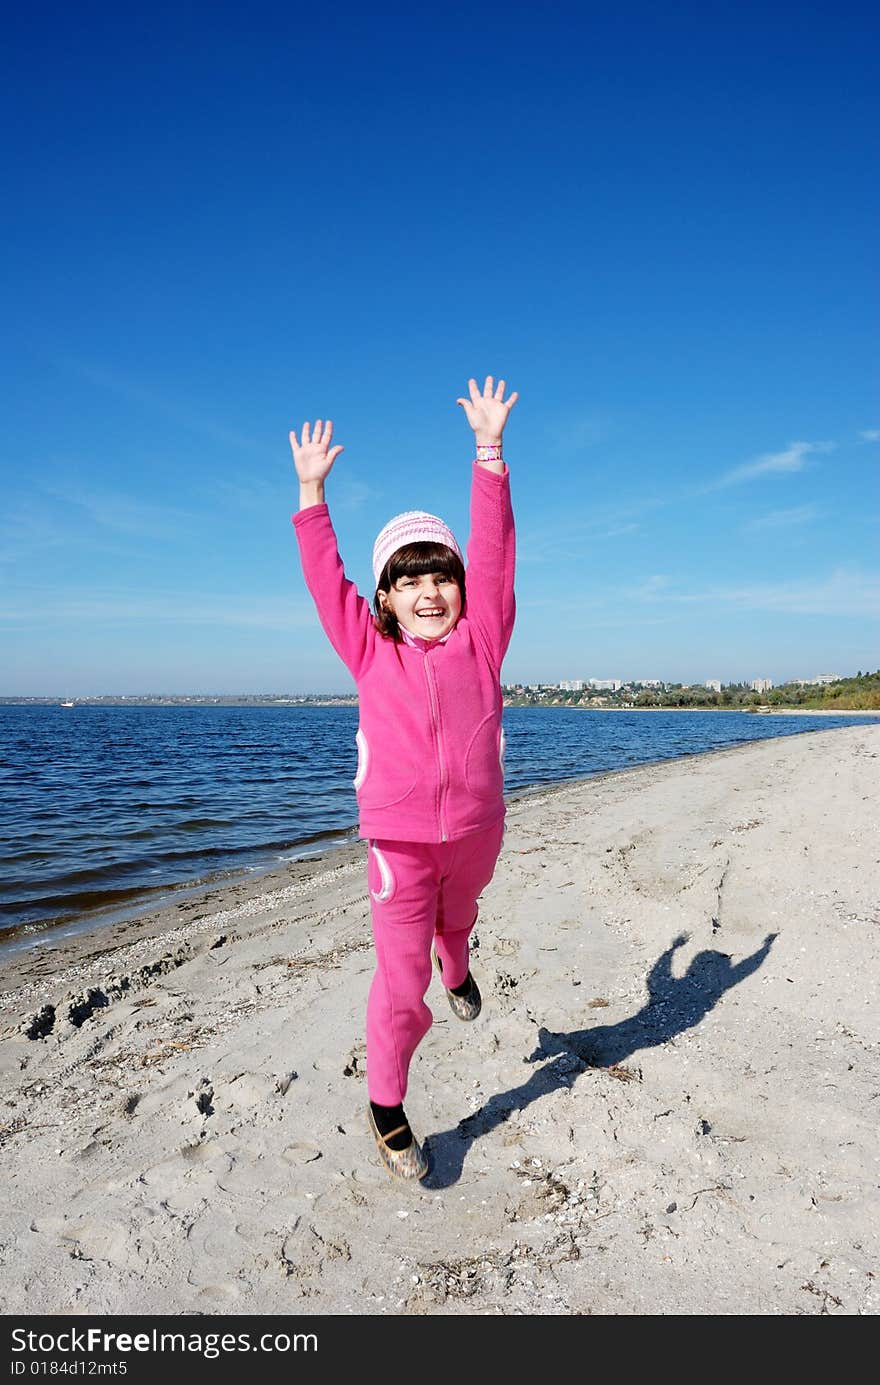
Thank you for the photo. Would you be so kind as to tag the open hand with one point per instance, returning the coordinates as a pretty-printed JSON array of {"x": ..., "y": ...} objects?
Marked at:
[
  {"x": 312, "y": 458},
  {"x": 487, "y": 413}
]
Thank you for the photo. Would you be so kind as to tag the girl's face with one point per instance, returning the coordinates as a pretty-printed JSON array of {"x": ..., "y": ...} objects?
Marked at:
[{"x": 427, "y": 606}]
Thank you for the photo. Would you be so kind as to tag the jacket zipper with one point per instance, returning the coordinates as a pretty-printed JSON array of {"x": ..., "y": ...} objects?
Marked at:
[{"x": 435, "y": 715}]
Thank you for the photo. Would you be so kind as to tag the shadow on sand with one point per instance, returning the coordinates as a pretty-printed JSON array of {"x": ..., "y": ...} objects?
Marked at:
[{"x": 674, "y": 1005}]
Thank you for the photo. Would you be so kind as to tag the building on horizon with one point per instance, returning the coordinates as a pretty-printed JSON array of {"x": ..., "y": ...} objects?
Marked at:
[
  {"x": 761, "y": 684},
  {"x": 821, "y": 679},
  {"x": 713, "y": 683}
]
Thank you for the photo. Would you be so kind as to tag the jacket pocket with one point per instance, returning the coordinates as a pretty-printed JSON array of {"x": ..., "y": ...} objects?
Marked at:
[
  {"x": 363, "y": 759},
  {"x": 382, "y": 780},
  {"x": 483, "y": 762}
]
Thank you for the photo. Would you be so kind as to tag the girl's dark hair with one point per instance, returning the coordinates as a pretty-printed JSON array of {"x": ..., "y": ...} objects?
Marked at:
[{"x": 414, "y": 560}]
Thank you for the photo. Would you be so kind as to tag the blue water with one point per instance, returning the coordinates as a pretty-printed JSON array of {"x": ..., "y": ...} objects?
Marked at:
[{"x": 114, "y": 806}]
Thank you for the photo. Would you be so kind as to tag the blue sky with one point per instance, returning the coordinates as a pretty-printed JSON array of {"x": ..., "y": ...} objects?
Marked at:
[{"x": 654, "y": 222}]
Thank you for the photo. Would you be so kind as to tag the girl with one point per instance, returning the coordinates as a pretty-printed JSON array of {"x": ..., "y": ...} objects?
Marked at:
[{"x": 430, "y": 776}]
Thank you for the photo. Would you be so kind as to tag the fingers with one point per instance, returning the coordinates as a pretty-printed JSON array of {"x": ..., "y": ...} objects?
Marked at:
[
  {"x": 490, "y": 391},
  {"x": 322, "y": 435}
]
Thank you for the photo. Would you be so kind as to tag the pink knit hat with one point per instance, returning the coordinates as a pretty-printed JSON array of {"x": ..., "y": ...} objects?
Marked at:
[{"x": 413, "y": 526}]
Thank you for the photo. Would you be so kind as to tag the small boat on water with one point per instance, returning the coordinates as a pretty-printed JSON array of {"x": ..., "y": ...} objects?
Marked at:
[{"x": 68, "y": 702}]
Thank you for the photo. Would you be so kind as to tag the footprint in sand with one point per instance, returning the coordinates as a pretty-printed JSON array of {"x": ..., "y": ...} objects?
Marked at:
[{"x": 506, "y": 947}]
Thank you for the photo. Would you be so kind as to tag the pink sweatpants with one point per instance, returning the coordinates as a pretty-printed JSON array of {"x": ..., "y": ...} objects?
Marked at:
[{"x": 420, "y": 892}]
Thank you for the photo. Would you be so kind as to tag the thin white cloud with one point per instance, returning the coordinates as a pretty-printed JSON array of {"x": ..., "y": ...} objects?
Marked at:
[
  {"x": 271, "y": 497},
  {"x": 258, "y": 494},
  {"x": 846, "y": 592},
  {"x": 634, "y": 621},
  {"x": 870, "y": 435},
  {"x": 62, "y": 514},
  {"x": 351, "y": 495},
  {"x": 567, "y": 548},
  {"x": 25, "y": 530},
  {"x": 578, "y": 433},
  {"x": 793, "y": 458},
  {"x": 122, "y": 513},
  {"x": 52, "y": 606},
  {"x": 784, "y": 519},
  {"x": 618, "y": 531},
  {"x": 567, "y": 540},
  {"x": 654, "y": 586},
  {"x": 183, "y": 414}
]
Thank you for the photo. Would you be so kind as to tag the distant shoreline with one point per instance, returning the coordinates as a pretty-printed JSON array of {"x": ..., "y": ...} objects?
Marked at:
[
  {"x": 352, "y": 701},
  {"x": 182, "y": 701}
]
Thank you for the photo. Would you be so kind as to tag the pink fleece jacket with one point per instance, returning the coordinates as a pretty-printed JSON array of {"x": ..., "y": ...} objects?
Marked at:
[{"x": 430, "y": 743}]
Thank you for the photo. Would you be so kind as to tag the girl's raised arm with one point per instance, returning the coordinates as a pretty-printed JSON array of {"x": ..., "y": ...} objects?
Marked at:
[
  {"x": 313, "y": 460},
  {"x": 491, "y": 549},
  {"x": 487, "y": 413},
  {"x": 343, "y": 612}
]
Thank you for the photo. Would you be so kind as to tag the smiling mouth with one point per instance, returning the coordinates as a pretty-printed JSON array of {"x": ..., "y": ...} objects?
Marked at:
[{"x": 430, "y": 615}]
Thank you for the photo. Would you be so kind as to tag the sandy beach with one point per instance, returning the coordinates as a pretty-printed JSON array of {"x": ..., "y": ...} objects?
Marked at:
[{"x": 668, "y": 1105}]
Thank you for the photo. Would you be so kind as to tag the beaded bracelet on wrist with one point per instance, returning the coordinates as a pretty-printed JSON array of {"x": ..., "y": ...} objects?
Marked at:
[{"x": 489, "y": 452}]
